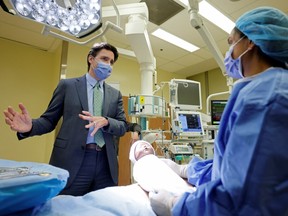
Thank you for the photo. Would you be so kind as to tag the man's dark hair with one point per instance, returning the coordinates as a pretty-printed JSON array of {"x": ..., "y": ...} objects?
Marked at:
[{"x": 98, "y": 47}]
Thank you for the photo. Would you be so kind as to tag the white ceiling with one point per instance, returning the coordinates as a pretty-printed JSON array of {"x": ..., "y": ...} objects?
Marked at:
[{"x": 168, "y": 57}]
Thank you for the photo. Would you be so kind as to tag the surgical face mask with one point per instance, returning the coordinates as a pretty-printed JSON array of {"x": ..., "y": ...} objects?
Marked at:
[
  {"x": 234, "y": 66},
  {"x": 102, "y": 71}
]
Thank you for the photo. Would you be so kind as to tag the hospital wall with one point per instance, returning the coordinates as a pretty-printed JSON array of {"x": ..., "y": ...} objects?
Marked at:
[
  {"x": 126, "y": 71},
  {"x": 212, "y": 82},
  {"x": 30, "y": 75}
]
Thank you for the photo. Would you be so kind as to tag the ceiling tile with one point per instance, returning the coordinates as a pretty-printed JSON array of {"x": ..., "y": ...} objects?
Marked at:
[{"x": 171, "y": 67}]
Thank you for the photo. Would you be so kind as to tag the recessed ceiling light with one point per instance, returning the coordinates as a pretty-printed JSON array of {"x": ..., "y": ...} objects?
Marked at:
[
  {"x": 160, "y": 33},
  {"x": 213, "y": 15}
]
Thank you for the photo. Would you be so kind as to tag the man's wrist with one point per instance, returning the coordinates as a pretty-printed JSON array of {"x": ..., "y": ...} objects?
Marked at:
[{"x": 107, "y": 120}]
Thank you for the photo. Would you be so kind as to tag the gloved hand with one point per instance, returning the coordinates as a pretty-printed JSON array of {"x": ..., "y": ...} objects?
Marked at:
[
  {"x": 180, "y": 170},
  {"x": 162, "y": 202}
]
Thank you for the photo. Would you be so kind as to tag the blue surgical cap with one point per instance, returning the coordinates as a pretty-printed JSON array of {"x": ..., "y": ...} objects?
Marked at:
[{"x": 267, "y": 27}]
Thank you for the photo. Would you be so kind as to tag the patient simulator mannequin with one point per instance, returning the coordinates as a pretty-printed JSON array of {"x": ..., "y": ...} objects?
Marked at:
[{"x": 151, "y": 173}]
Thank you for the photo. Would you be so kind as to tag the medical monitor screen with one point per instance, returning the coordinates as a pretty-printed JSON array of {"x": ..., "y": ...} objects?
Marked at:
[
  {"x": 217, "y": 108},
  {"x": 186, "y": 94},
  {"x": 188, "y": 123}
]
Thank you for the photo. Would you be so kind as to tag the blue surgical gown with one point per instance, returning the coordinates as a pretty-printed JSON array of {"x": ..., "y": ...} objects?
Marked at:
[{"x": 249, "y": 174}]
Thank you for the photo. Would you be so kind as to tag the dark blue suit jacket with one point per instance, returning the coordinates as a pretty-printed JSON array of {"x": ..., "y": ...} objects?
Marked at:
[{"x": 68, "y": 101}]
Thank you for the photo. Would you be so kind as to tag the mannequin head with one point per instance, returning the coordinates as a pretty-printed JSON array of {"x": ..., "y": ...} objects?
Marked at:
[{"x": 140, "y": 149}]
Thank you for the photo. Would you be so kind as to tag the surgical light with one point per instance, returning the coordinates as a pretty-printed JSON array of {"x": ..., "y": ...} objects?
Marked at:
[{"x": 75, "y": 17}]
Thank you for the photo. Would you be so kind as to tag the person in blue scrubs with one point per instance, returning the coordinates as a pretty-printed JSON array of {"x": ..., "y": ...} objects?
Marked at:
[{"x": 248, "y": 174}]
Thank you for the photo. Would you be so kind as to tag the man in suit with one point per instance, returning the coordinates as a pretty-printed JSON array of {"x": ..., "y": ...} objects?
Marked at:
[{"x": 91, "y": 165}]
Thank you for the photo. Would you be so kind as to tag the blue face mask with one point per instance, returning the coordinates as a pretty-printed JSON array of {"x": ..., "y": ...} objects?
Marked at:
[
  {"x": 234, "y": 66},
  {"x": 102, "y": 71}
]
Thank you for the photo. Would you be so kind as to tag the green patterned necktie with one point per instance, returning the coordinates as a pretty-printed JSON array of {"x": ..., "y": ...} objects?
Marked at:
[{"x": 98, "y": 100}]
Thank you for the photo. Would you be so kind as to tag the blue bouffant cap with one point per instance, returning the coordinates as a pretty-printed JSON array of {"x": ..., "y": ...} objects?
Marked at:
[{"x": 267, "y": 27}]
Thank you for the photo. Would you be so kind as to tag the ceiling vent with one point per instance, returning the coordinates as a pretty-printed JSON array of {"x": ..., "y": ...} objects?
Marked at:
[{"x": 162, "y": 10}]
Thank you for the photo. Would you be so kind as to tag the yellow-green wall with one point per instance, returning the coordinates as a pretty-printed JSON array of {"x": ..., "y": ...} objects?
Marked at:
[
  {"x": 211, "y": 82},
  {"x": 126, "y": 71},
  {"x": 30, "y": 75},
  {"x": 27, "y": 75}
]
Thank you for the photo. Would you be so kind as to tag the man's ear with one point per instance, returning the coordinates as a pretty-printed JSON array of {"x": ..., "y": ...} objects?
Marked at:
[{"x": 90, "y": 58}]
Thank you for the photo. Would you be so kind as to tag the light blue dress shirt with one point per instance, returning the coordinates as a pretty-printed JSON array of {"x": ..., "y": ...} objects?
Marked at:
[{"x": 91, "y": 82}]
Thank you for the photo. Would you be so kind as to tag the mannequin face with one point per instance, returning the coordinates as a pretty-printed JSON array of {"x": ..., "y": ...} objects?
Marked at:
[{"x": 143, "y": 149}]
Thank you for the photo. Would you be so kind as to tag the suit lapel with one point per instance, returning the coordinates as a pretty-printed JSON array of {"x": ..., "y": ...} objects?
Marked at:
[
  {"x": 106, "y": 102},
  {"x": 81, "y": 87}
]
